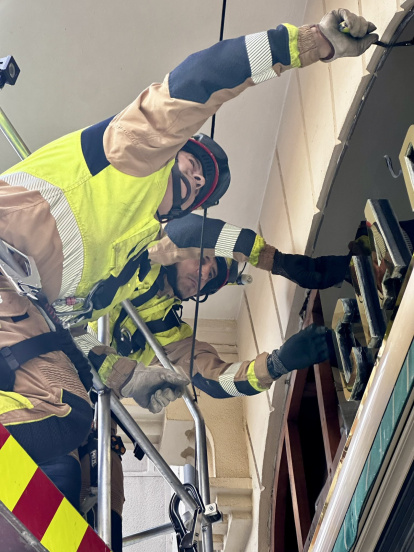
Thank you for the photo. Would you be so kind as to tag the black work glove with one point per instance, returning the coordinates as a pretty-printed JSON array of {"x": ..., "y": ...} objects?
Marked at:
[
  {"x": 319, "y": 273},
  {"x": 309, "y": 346}
]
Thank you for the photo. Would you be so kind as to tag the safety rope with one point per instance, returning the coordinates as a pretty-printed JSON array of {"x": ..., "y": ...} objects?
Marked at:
[{"x": 197, "y": 301}]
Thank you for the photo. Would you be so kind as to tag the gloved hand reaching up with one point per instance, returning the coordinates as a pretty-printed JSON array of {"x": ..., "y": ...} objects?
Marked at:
[
  {"x": 309, "y": 346},
  {"x": 357, "y": 38},
  {"x": 154, "y": 388}
]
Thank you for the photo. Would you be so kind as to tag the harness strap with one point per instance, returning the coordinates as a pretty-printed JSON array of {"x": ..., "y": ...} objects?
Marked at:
[
  {"x": 178, "y": 200},
  {"x": 106, "y": 290},
  {"x": 137, "y": 302},
  {"x": 138, "y": 452},
  {"x": 138, "y": 340},
  {"x": 16, "y": 355},
  {"x": 11, "y": 358},
  {"x": 76, "y": 357},
  {"x": 91, "y": 448},
  {"x": 127, "y": 345},
  {"x": 140, "y": 300},
  {"x": 66, "y": 342}
]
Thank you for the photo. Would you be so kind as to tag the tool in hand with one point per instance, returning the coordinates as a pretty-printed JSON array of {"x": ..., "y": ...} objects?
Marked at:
[{"x": 343, "y": 27}]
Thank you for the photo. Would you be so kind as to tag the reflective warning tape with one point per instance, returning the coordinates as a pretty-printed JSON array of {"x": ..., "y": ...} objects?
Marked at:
[{"x": 36, "y": 502}]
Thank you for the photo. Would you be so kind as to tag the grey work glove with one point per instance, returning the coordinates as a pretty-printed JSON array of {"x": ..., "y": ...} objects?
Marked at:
[
  {"x": 318, "y": 273},
  {"x": 352, "y": 43},
  {"x": 154, "y": 388},
  {"x": 309, "y": 346}
]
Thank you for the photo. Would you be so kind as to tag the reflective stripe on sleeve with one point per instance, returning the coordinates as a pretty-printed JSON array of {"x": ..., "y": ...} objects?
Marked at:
[
  {"x": 227, "y": 240},
  {"x": 87, "y": 342},
  {"x": 226, "y": 380},
  {"x": 260, "y": 57}
]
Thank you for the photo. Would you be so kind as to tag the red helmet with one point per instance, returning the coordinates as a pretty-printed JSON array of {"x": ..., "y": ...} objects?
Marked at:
[{"x": 216, "y": 172}]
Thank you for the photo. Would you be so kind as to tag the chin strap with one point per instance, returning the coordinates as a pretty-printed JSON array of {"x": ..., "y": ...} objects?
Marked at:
[{"x": 178, "y": 201}]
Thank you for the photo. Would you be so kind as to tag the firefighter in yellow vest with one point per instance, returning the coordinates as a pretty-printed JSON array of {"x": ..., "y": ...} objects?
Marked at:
[
  {"x": 87, "y": 206},
  {"x": 158, "y": 298}
]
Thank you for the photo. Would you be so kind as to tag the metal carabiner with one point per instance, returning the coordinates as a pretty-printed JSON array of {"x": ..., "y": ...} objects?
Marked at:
[
  {"x": 126, "y": 335},
  {"x": 74, "y": 316},
  {"x": 187, "y": 538},
  {"x": 21, "y": 273}
]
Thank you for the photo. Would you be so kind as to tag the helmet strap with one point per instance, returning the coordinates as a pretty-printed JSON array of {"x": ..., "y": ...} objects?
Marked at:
[{"x": 178, "y": 200}]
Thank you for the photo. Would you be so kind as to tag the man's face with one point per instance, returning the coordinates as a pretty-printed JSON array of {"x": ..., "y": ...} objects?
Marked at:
[{"x": 187, "y": 275}]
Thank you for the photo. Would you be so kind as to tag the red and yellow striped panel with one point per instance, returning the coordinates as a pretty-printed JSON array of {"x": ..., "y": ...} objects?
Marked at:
[{"x": 36, "y": 502}]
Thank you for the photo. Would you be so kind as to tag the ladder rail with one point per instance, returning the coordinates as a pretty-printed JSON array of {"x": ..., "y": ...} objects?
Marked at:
[
  {"x": 13, "y": 136},
  {"x": 200, "y": 428},
  {"x": 104, "y": 448}
]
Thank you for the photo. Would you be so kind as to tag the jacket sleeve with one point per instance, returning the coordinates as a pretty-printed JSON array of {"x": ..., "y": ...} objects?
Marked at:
[
  {"x": 221, "y": 239},
  {"x": 218, "y": 378},
  {"x": 150, "y": 131},
  {"x": 112, "y": 368}
]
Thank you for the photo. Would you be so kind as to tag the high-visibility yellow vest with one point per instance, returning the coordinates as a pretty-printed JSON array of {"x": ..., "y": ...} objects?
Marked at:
[{"x": 104, "y": 217}]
